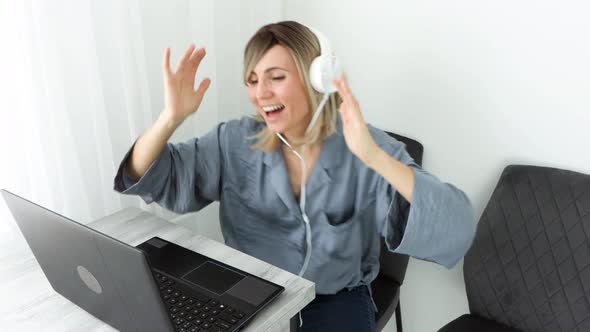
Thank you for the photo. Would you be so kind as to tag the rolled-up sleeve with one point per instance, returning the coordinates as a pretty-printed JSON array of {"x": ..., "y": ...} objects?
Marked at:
[
  {"x": 185, "y": 177},
  {"x": 439, "y": 224}
]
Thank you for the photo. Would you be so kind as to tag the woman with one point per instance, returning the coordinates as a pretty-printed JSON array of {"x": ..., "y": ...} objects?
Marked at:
[{"x": 321, "y": 218}]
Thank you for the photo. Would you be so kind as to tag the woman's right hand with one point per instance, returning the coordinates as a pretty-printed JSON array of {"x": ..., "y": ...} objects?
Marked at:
[{"x": 180, "y": 96}]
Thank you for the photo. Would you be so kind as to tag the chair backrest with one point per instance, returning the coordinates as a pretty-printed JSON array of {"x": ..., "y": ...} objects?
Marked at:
[
  {"x": 394, "y": 265},
  {"x": 529, "y": 266}
]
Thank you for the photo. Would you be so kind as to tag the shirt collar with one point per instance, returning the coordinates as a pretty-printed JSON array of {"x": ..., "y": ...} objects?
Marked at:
[{"x": 331, "y": 155}]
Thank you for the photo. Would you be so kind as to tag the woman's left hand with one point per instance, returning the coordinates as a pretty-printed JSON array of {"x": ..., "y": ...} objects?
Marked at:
[{"x": 356, "y": 134}]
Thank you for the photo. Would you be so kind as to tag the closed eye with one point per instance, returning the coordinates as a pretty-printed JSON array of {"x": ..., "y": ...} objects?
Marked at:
[{"x": 253, "y": 82}]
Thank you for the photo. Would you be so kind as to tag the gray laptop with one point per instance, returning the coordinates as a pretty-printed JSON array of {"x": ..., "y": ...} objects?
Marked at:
[{"x": 156, "y": 286}]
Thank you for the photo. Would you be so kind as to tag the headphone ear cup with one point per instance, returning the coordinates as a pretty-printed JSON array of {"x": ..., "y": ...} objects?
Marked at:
[
  {"x": 315, "y": 75},
  {"x": 322, "y": 71}
]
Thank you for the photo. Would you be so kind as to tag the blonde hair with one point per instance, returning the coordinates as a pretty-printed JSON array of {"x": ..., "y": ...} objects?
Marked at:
[{"x": 303, "y": 46}]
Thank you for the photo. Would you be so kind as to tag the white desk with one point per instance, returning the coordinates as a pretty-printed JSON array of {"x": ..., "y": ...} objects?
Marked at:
[{"x": 28, "y": 303}]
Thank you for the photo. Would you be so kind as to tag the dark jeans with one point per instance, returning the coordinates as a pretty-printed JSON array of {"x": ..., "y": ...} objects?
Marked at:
[{"x": 345, "y": 311}]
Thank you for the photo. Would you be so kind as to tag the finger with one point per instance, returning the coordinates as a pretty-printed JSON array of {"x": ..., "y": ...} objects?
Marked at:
[
  {"x": 338, "y": 85},
  {"x": 197, "y": 56},
  {"x": 184, "y": 58},
  {"x": 346, "y": 89},
  {"x": 341, "y": 86},
  {"x": 350, "y": 99},
  {"x": 345, "y": 104},
  {"x": 344, "y": 115},
  {"x": 166, "y": 63},
  {"x": 194, "y": 61},
  {"x": 335, "y": 82},
  {"x": 344, "y": 111},
  {"x": 202, "y": 88},
  {"x": 347, "y": 101},
  {"x": 350, "y": 108}
]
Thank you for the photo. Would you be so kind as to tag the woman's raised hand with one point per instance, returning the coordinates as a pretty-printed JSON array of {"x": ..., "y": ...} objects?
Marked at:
[
  {"x": 355, "y": 130},
  {"x": 180, "y": 96}
]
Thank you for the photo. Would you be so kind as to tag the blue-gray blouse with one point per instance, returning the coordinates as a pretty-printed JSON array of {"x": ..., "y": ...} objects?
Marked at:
[{"x": 349, "y": 205}]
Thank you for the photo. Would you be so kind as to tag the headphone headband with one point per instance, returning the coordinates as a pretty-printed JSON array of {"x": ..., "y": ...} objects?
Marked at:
[{"x": 325, "y": 48}]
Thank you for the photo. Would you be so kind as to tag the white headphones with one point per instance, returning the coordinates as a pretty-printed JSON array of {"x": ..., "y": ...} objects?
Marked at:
[
  {"x": 325, "y": 67},
  {"x": 322, "y": 71}
]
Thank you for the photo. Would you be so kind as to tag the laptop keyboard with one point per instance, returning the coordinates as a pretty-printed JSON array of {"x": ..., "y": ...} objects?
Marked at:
[{"x": 197, "y": 312}]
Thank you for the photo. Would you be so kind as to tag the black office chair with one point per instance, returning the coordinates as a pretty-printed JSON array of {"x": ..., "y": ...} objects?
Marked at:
[
  {"x": 529, "y": 266},
  {"x": 386, "y": 287}
]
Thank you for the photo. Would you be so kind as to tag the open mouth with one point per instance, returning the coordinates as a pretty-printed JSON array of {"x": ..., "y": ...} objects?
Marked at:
[{"x": 273, "y": 112}]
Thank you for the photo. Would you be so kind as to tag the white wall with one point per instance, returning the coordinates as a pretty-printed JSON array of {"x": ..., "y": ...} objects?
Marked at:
[
  {"x": 481, "y": 84},
  {"x": 81, "y": 80},
  {"x": 235, "y": 22}
]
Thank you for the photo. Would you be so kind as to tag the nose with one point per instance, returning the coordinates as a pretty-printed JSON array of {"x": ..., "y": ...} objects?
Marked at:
[{"x": 263, "y": 91}]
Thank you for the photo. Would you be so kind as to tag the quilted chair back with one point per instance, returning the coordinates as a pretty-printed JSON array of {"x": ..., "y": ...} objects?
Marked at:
[
  {"x": 392, "y": 264},
  {"x": 529, "y": 266},
  {"x": 386, "y": 287}
]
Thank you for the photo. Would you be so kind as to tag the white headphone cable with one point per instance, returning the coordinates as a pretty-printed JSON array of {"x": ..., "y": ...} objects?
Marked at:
[
  {"x": 303, "y": 195},
  {"x": 303, "y": 178},
  {"x": 318, "y": 112},
  {"x": 302, "y": 205}
]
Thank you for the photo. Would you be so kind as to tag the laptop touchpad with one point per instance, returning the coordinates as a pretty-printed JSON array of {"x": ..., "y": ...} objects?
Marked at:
[{"x": 213, "y": 277}]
